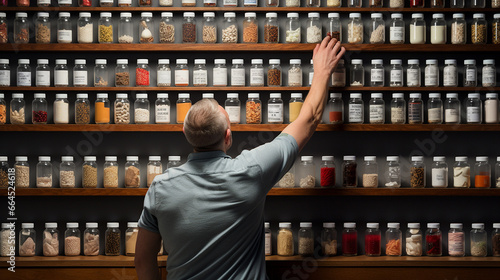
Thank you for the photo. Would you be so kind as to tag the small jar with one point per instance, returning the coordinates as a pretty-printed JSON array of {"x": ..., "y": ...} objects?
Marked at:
[
  {"x": 267, "y": 238},
  {"x": 82, "y": 109},
  {"x": 85, "y": 27},
  {"x": 431, "y": 78},
  {"x": 452, "y": 109},
  {"x": 438, "y": 28},
  {"x": 145, "y": 3},
  {"x": 209, "y": 28},
  {"x": 91, "y": 240},
  {"x": 329, "y": 240},
  {"x": 417, "y": 172},
  {"x": 163, "y": 73},
  {"x": 457, "y": 3},
  {"x": 482, "y": 170},
  {"x": 393, "y": 175},
  {"x": 396, "y": 73},
  {"x": 274, "y": 73},
  {"x": 80, "y": 73},
  {"x": 39, "y": 109},
  {"x": 64, "y": 3},
  {"x": 4, "y": 72},
  {"x": 370, "y": 172},
  {"x": 21, "y": 29},
  {"x": 355, "y": 28},
  {"x": 101, "y": 77},
  {"x": 22, "y": 172},
  {"x": 72, "y": 240},
  {"x": 17, "y": 109},
  {"x": 61, "y": 109},
  {"x": 110, "y": 170},
  {"x": 489, "y": 71},
  {"x": 167, "y": 27},
  {"x": 417, "y": 28},
  {"x": 162, "y": 109},
  {"x": 439, "y": 172},
  {"x": 373, "y": 240},
  {"x": 497, "y": 173},
  {"x": 67, "y": 172},
  {"x": 415, "y": 109},
  {"x": 122, "y": 73},
  {"x": 349, "y": 175},
  {"x": 350, "y": 240},
  {"x": 293, "y": 28},
  {"x": 275, "y": 111},
  {"x": 479, "y": 29},
  {"x": 256, "y": 73},
  {"x": 356, "y": 108},
  {"x": 433, "y": 240},
  {"x": 413, "y": 240},
  {"x": 357, "y": 73},
  {"x": 105, "y": 28},
  {"x": 478, "y": 240},
  {"x": 470, "y": 73},
  {"x": 141, "y": 108},
  {"x": 417, "y": 3},
  {"x": 495, "y": 4},
  {"x": 434, "y": 109},
  {"x": 327, "y": 172},
  {"x": 238, "y": 73},
  {"x": 173, "y": 161},
  {"x": 474, "y": 109},
  {"x": 398, "y": 109},
  {"x": 61, "y": 73},
  {"x": 450, "y": 73},
  {"x": 253, "y": 109},
  {"x": 306, "y": 239},
  {"x": 377, "y": 73},
  {"x": 146, "y": 27},
  {"x": 336, "y": 108},
  {"x": 393, "y": 240},
  {"x": 250, "y": 28},
  {"x": 154, "y": 168},
  {"x": 271, "y": 28},
  {"x": 334, "y": 25},
  {"x": 295, "y": 105},
  {"x": 182, "y": 106},
  {"x": 189, "y": 28},
  {"x": 314, "y": 28},
  {"x": 27, "y": 240},
  {"x": 219, "y": 73},
  {"x": 377, "y": 28},
  {"x": 461, "y": 173},
  {"x": 142, "y": 73},
  {"x": 295, "y": 73},
  {"x": 102, "y": 106},
  {"x": 491, "y": 108},
  {"x": 456, "y": 240},
  {"x": 121, "y": 109},
  {"x": 132, "y": 172},
  {"x": 107, "y": 3},
  {"x": 376, "y": 108},
  {"x": 232, "y": 105},
  {"x": 3, "y": 109},
  {"x": 495, "y": 237},
  {"x": 181, "y": 73},
  {"x": 131, "y": 238},
  {"x": 305, "y": 172},
  {"x": 112, "y": 240},
  {"x": 354, "y": 3},
  {"x": 50, "y": 240},
  {"x": 42, "y": 77},
  {"x": 338, "y": 75},
  {"x": 413, "y": 73},
  {"x": 42, "y": 28},
  {"x": 4, "y": 38},
  {"x": 89, "y": 172},
  {"x": 458, "y": 29},
  {"x": 64, "y": 28},
  {"x": 285, "y": 240},
  {"x": 125, "y": 29},
  {"x": 23, "y": 73}
]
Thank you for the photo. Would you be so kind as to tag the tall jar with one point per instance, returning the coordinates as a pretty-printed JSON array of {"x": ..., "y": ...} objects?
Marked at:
[
  {"x": 61, "y": 73},
  {"x": 431, "y": 78},
  {"x": 67, "y": 172},
  {"x": 306, "y": 172},
  {"x": 314, "y": 28},
  {"x": 21, "y": 29},
  {"x": 89, "y": 172},
  {"x": 42, "y": 76},
  {"x": 452, "y": 109},
  {"x": 373, "y": 240},
  {"x": 167, "y": 27},
  {"x": 141, "y": 108},
  {"x": 154, "y": 168},
  {"x": 334, "y": 25},
  {"x": 398, "y": 109},
  {"x": 238, "y": 73},
  {"x": 327, "y": 172},
  {"x": 397, "y": 28},
  {"x": 181, "y": 73},
  {"x": 162, "y": 109},
  {"x": 82, "y": 109},
  {"x": 105, "y": 28},
  {"x": 39, "y": 108},
  {"x": 285, "y": 240},
  {"x": 27, "y": 240},
  {"x": 457, "y": 3},
  {"x": 80, "y": 73},
  {"x": 22, "y": 172},
  {"x": 491, "y": 108},
  {"x": 91, "y": 240},
  {"x": 458, "y": 29},
  {"x": 413, "y": 73},
  {"x": 163, "y": 73},
  {"x": 61, "y": 109},
  {"x": 377, "y": 28},
  {"x": 295, "y": 73},
  {"x": 450, "y": 73},
  {"x": 121, "y": 110},
  {"x": 293, "y": 28},
  {"x": 306, "y": 239},
  {"x": 112, "y": 240},
  {"x": 393, "y": 175},
  {"x": 64, "y": 28},
  {"x": 294, "y": 106},
  {"x": 101, "y": 76},
  {"x": 146, "y": 28},
  {"x": 482, "y": 170},
  {"x": 23, "y": 73},
  {"x": 329, "y": 240},
  {"x": 50, "y": 240},
  {"x": 439, "y": 172},
  {"x": 338, "y": 75},
  {"x": 3, "y": 109},
  {"x": 479, "y": 29},
  {"x": 271, "y": 28},
  {"x": 229, "y": 28},
  {"x": 42, "y": 28},
  {"x": 489, "y": 73},
  {"x": 182, "y": 106},
  {"x": 219, "y": 73},
  {"x": 456, "y": 240},
  {"x": 131, "y": 238},
  {"x": 370, "y": 172},
  {"x": 478, "y": 4},
  {"x": 478, "y": 241},
  {"x": 474, "y": 109},
  {"x": 349, "y": 174},
  {"x": 497, "y": 173},
  {"x": 350, "y": 240},
  {"x": 434, "y": 109},
  {"x": 495, "y": 30},
  {"x": 356, "y": 108},
  {"x": 253, "y": 109},
  {"x": 310, "y": 73},
  {"x": 110, "y": 170},
  {"x": 250, "y": 28},
  {"x": 4, "y": 71},
  {"x": 355, "y": 28},
  {"x": 438, "y": 28},
  {"x": 210, "y": 28},
  {"x": 122, "y": 73},
  {"x": 461, "y": 173},
  {"x": 72, "y": 240},
  {"x": 17, "y": 109},
  {"x": 433, "y": 240},
  {"x": 232, "y": 105},
  {"x": 274, "y": 73},
  {"x": 357, "y": 73},
  {"x": 275, "y": 109},
  {"x": 336, "y": 108},
  {"x": 142, "y": 73},
  {"x": 413, "y": 238},
  {"x": 132, "y": 172},
  {"x": 393, "y": 240},
  {"x": 125, "y": 29},
  {"x": 470, "y": 73},
  {"x": 396, "y": 73},
  {"x": 377, "y": 73},
  {"x": 417, "y": 172},
  {"x": 417, "y": 28},
  {"x": 376, "y": 108}
]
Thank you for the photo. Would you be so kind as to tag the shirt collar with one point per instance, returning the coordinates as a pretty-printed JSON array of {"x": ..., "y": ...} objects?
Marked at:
[{"x": 207, "y": 155}]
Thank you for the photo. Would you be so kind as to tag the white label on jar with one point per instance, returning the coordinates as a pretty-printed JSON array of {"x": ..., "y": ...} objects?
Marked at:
[
  {"x": 230, "y": 2},
  {"x": 200, "y": 77},
  {"x": 431, "y": 76},
  {"x": 449, "y": 76},
  {"x": 396, "y": 33},
  {"x": 451, "y": 116},
  {"x": 24, "y": 79},
  {"x": 295, "y": 78},
  {"x": 473, "y": 115},
  {"x": 234, "y": 113},
  {"x": 397, "y": 115},
  {"x": 275, "y": 113},
  {"x": 164, "y": 78},
  {"x": 256, "y": 76},
  {"x": 311, "y": 76},
  {"x": 64, "y": 2},
  {"x": 61, "y": 77},
  {"x": 415, "y": 112},
  {"x": 470, "y": 75},
  {"x": 43, "y": 2},
  {"x": 376, "y": 113},
  {"x": 162, "y": 114},
  {"x": 355, "y": 113},
  {"x": 489, "y": 76},
  {"x": 268, "y": 243},
  {"x": 238, "y": 77},
  {"x": 80, "y": 78},
  {"x": 42, "y": 78},
  {"x": 434, "y": 114},
  {"x": 396, "y": 76},
  {"x": 413, "y": 77},
  {"x": 377, "y": 75},
  {"x": 220, "y": 76},
  {"x": 250, "y": 3},
  {"x": 439, "y": 177},
  {"x": 181, "y": 77},
  {"x": 64, "y": 35}
]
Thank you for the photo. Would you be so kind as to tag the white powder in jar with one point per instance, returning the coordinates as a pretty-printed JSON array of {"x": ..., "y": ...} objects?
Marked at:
[
  {"x": 125, "y": 39},
  {"x": 314, "y": 34},
  {"x": 85, "y": 33},
  {"x": 61, "y": 112},
  {"x": 354, "y": 33},
  {"x": 5, "y": 246},
  {"x": 141, "y": 116},
  {"x": 166, "y": 3}
]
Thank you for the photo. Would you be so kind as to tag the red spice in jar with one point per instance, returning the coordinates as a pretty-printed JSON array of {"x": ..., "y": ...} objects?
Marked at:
[
  {"x": 23, "y": 3},
  {"x": 141, "y": 77},
  {"x": 416, "y": 3},
  {"x": 433, "y": 245},
  {"x": 39, "y": 117},
  {"x": 85, "y": 3},
  {"x": 335, "y": 117},
  {"x": 327, "y": 177},
  {"x": 372, "y": 244},
  {"x": 350, "y": 243}
]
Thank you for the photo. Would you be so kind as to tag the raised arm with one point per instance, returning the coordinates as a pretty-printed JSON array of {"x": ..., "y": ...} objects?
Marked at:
[{"x": 326, "y": 56}]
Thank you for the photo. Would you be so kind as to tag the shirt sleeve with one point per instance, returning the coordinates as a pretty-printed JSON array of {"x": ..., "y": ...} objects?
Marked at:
[{"x": 148, "y": 219}]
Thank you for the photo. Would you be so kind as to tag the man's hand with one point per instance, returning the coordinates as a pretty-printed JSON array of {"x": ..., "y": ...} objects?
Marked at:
[{"x": 326, "y": 56}]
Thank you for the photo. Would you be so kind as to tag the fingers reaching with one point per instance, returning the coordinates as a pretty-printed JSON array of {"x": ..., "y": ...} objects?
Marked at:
[{"x": 325, "y": 41}]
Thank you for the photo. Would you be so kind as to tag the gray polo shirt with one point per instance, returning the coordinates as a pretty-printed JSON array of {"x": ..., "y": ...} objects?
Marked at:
[{"x": 210, "y": 211}]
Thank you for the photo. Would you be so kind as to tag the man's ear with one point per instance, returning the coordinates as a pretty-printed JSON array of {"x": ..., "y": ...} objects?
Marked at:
[{"x": 227, "y": 136}]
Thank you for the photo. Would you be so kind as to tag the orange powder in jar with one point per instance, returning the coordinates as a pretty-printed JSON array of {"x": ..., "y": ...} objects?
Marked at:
[
  {"x": 482, "y": 181},
  {"x": 102, "y": 115},
  {"x": 182, "y": 109}
]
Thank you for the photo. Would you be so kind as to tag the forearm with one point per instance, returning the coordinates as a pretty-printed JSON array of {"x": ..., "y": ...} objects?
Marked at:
[
  {"x": 147, "y": 269},
  {"x": 316, "y": 99},
  {"x": 146, "y": 254}
]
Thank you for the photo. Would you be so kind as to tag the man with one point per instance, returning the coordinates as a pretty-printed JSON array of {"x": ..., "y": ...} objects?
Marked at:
[{"x": 210, "y": 211}]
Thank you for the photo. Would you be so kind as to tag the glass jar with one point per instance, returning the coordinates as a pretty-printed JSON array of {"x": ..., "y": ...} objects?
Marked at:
[
  {"x": 314, "y": 28},
  {"x": 108, "y": 3},
  {"x": 173, "y": 161},
  {"x": 131, "y": 238},
  {"x": 67, "y": 172},
  {"x": 89, "y": 172},
  {"x": 3, "y": 27},
  {"x": 110, "y": 170},
  {"x": 256, "y": 73},
  {"x": 349, "y": 175},
  {"x": 229, "y": 28},
  {"x": 433, "y": 240},
  {"x": 232, "y": 105},
  {"x": 39, "y": 109},
  {"x": 271, "y": 28},
  {"x": 438, "y": 28},
  {"x": 61, "y": 109},
  {"x": 417, "y": 28},
  {"x": 64, "y": 28},
  {"x": 413, "y": 74},
  {"x": 145, "y": 27},
  {"x": 125, "y": 29},
  {"x": 489, "y": 73},
  {"x": 329, "y": 240},
  {"x": 167, "y": 28},
  {"x": 495, "y": 237},
  {"x": 182, "y": 106},
  {"x": 350, "y": 240},
  {"x": 219, "y": 73},
  {"x": 373, "y": 240},
  {"x": 188, "y": 3},
  {"x": 398, "y": 109},
  {"x": 141, "y": 108},
  {"x": 253, "y": 109},
  {"x": 102, "y": 106},
  {"x": 275, "y": 114},
  {"x": 145, "y": 3},
  {"x": 474, "y": 109},
  {"x": 91, "y": 240},
  {"x": 181, "y": 73},
  {"x": 334, "y": 25},
  {"x": 83, "y": 3},
  {"x": 295, "y": 73},
  {"x": 434, "y": 109},
  {"x": 457, "y": 3},
  {"x": 479, "y": 29},
  {"x": 293, "y": 28},
  {"x": 377, "y": 27},
  {"x": 4, "y": 72},
  {"x": 61, "y": 73},
  {"x": 101, "y": 73},
  {"x": 417, "y": 172},
  {"x": 417, "y": 3},
  {"x": 305, "y": 172},
  {"x": 336, "y": 108},
  {"x": 482, "y": 170},
  {"x": 122, "y": 73},
  {"x": 357, "y": 73},
  {"x": 295, "y": 105},
  {"x": 439, "y": 172},
  {"x": 415, "y": 109},
  {"x": 238, "y": 73},
  {"x": 210, "y": 28},
  {"x": 478, "y": 241},
  {"x": 72, "y": 242},
  {"x": 64, "y": 3},
  {"x": 105, "y": 28},
  {"x": 17, "y": 109},
  {"x": 292, "y": 3},
  {"x": 230, "y": 3},
  {"x": 163, "y": 73},
  {"x": 27, "y": 240},
  {"x": 495, "y": 4},
  {"x": 450, "y": 73},
  {"x": 354, "y": 3},
  {"x": 491, "y": 108},
  {"x": 162, "y": 109},
  {"x": 271, "y": 3},
  {"x": 456, "y": 240},
  {"x": 396, "y": 73},
  {"x": 377, "y": 73},
  {"x": 80, "y": 73},
  {"x": 132, "y": 172},
  {"x": 338, "y": 75},
  {"x": 23, "y": 73},
  {"x": 458, "y": 29},
  {"x": 393, "y": 175},
  {"x": 154, "y": 168},
  {"x": 285, "y": 240},
  {"x": 376, "y": 108},
  {"x": 313, "y": 3},
  {"x": 3, "y": 109},
  {"x": 200, "y": 75},
  {"x": 21, "y": 29},
  {"x": 393, "y": 240},
  {"x": 142, "y": 73},
  {"x": 42, "y": 28},
  {"x": 82, "y": 109},
  {"x": 124, "y": 3},
  {"x": 50, "y": 240},
  {"x": 461, "y": 173},
  {"x": 452, "y": 109},
  {"x": 478, "y": 4},
  {"x": 267, "y": 238},
  {"x": 22, "y": 172},
  {"x": 250, "y": 29},
  {"x": 495, "y": 30},
  {"x": 356, "y": 108},
  {"x": 42, "y": 76},
  {"x": 413, "y": 240},
  {"x": 112, "y": 242},
  {"x": 327, "y": 172},
  {"x": 274, "y": 73},
  {"x": 121, "y": 109},
  {"x": 306, "y": 239},
  {"x": 470, "y": 73},
  {"x": 431, "y": 78},
  {"x": 370, "y": 172},
  {"x": 355, "y": 28}
]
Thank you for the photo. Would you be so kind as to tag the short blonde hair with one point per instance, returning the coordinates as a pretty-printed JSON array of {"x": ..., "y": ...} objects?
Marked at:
[{"x": 205, "y": 125}]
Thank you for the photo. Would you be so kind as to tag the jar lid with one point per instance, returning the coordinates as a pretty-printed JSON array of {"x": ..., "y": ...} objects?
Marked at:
[
  {"x": 105, "y": 14},
  {"x": 132, "y": 224},
  {"x": 311, "y": 15},
  {"x": 437, "y": 16},
  {"x": 329, "y": 225},
  {"x": 357, "y": 61},
  {"x": 72, "y": 225},
  {"x": 253, "y": 95},
  {"x": 61, "y": 96},
  {"x": 254, "y": 61},
  {"x": 295, "y": 61},
  {"x": 102, "y": 95},
  {"x": 238, "y": 61},
  {"x": 492, "y": 95},
  {"x": 3, "y": 158},
  {"x": 489, "y": 61},
  {"x": 306, "y": 158},
  {"x": 51, "y": 225},
  {"x": 496, "y": 16},
  {"x": 439, "y": 158},
  {"x": 398, "y": 95},
  {"x": 393, "y": 225},
  {"x": 434, "y": 95},
  {"x": 18, "y": 15},
  {"x": 21, "y": 158},
  {"x": 101, "y": 61},
  {"x": 89, "y": 158},
  {"x": 164, "y": 61},
  {"x": 478, "y": 15},
  {"x": 141, "y": 95},
  {"x": 327, "y": 158},
  {"x": 82, "y": 95},
  {"x": 143, "y": 14},
  {"x": 496, "y": 225},
  {"x": 478, "y": 226},
  {"x": 80, "y": 61},
  {"x": 377, "y": 15},
  {"x": 451, "y": 95},
  {"x": 181, "y": 61},
  {"x": 110, "y": 158},
  {"x": 376, "y": 95},
  {"x": 39, "y": 95},
  {"x": 184, "y": 95},
  {"x": 188, "y": 14},
  {"x": 43, "y": 14},
  {"x": 461, "y": 158},
  {"x": 354, "y": 15},
  {"x": 473, "y": 95},
  {"x": 64, "y": 14},
  {"x": 91, "y": 225},
  {"x": 66, "y": 158},
  {"x": 250, "y": 14},
  {"x": 450, "y": 61},
  {"x": 112, "y": 225},
  {"x": 335, "y": 95},
  {"x": 142, "y": 61},
  {"x": 296, "y": 95},
  {"x": 61, "y": 61},
  {"x": 219, "y": 61},
  {"x": 6, "y": 225},
  {"x": 350, "y": 225},
  {"x": 27, "y": 225},
  {"x": 292, "y": 15},
  {"x": 482, "y": 158},
  {"x": 458, "y": 15},
  {"x": 355, "y": 95},
  {"x": 285, "y": 225},
  {"x": 3, "y": 14},
  {"x": 470, "y": 62},
  {"x": 413, "y": 225},
  {"x": 106, "y": 1},
  {"x": 417, "y": 15},
  {"x": 396, "y": 61},
  {"x": 4, "y": 61},
  {"x": 415, "y": 95},
  {"x": 232, "y": 95},
  {"x": 125, "y": 15},
  {"x": 167, "y": 14},
  {"x": 275, "y": 95},
  {"x": 377, "y": 61},
  {"x": 413, "y": 61},
  {"x": 200, "y": 61},
  {"x": 274, "y": 61},
  {"x": 44, "y": 158},
  {"x": 132, "y": 158},
  {"x": 417, "y": 158},
  {"x": 267, "y": 225},
  {"x": 154, "y": 158},
  {"x": 174, "y": 158},
  {"x": 392, "y": 158},
  {"x": 207, "y": 96},
  {"x": 396, "y": 15},
  {"x": 349, "y": 157},
  {"x": 305, "y": 224},
  {"x": 456, "y": 225},
  {"x": 230, "y": 14},
  {"x": 431, "y": 61},
  {"x": 271, "y": 15},
  {"x": 370, "y": 158},
  {"x": 433, "y": 225},
  {"x": 333, "y": 15}
]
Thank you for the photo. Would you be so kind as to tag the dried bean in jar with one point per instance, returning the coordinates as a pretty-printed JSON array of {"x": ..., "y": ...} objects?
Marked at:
[
  {"x": 271, "y": 33},
  {"x": 189, "y": 33},
  {"x": 112, "y": 243},
  {"x": 417, "y": 177},
  {"x": 274, "y": 77}
]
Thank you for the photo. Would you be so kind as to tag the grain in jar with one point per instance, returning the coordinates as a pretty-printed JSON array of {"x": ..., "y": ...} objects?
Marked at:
[
  {"x": 250, "y": 28},
  {"x": 42, "y": 28},
  {"x": 72, "y": 240},
  {"x": 154, "y": 168},
  {"x": 105, "y": 28},
  {"x": 27, "y": 240},
  {"x": 122, "y": 109},
  {"x": 67, "y": 172},
  {"x": 461, "y": 173},
  {"x": 182, "y": 106},
  {"x": 209, "y": 30},
  {"x": 112, "y": 239},
  {"x": 285, "y": 240},
  {"x": 110, "y": 170},
  {"x": 89, "y": 172},
  {"x": 398, "y": 109},
  {"x": 80, "y": 73},
  {"x": 489, "y": 73},
  {"x": 479, "y": 29},
  {"x": 229, "y": 31},
  {"x": 377, "y": 28},
  {"x": 162, "y": 108},
  {"x": 306, "y": 239},
  {"x": 132, "y": 172},
  {"x": 271, "y": 28},
  {"x": 189, "y": 28},
  {"x": 44, "y": 172},
  {"x": 141, "y": 108},
  {"x": 295, "y": 73},
  {"x": 42, "y": 76},
  {"x": 434, "y": 109},
  {"x": 452, "y": 109},
  {"x": 370, "y": 172},
  {"x": 439, "y": 172},
  {"x": 478, "y": 240},
  {"x": 295, "y": 105},
  {"x": 458, "y": 29},
  {"x": 50, "y": 240},
  {"x": 85, "y": 32},
  {"x": 355, "y": 29},
  {"x": 329, "y": 240},
  {"x": 414, "y": 240},
  {"x": 253, "y": 109},
  {"x": 306, "y": 172},
  {"x": 163, "y": 73},
  {"x": 91, "y": 240}
]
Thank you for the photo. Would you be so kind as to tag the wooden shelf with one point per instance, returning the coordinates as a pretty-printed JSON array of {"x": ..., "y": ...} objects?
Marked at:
[{"x": 77, "y": 261}]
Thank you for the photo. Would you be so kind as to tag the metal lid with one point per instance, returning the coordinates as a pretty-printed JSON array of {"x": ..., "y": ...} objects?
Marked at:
[
  {"x": 285, "y": 225},
  {"x": 417, "y": 15},
  {"x": 61, "y": 96},
  {"x": 327, "y": 158},
  {"x": 18, "y": 95},
  {"x": 72, "y": 225},
  {"x": 437, "y": 15},
  {"x": 132, "y": 158},
  {"x": 478, "y": 15},
  {"x": 473, "y": 95},
  {"x": 450, "y": 61},
  {"x": 3, "y": 158},
  {"x": 141, "y": 95},
  {"x": 154, "y": 158},
  {"x": 306, "y": 158},
  {"x": 349, "y": 157},
  {"x": 496, "y": 16},
  {"x": 207, "y": 96},
  {"x": 184, "y": 95},
  {"x": 43, "y": 14},
  {"x": 275, "y": 95},
  {"x": 64, "y": 14},
  {"x": 91, "y": 225},
  {"x": 3, "y": 15},
  {"x": 393, "y": 225},
  {"x": 492, "y": 95},
  {"x": 110, "y": 158},
  {"x": 413, "y": 61},
  {"x": 488, "y": 61},
  {"x": 4, "y": 61},
  {"x": 132, "y": 224},
  {"x": 18, "y": 15},
  {"x": 89, "y": 158},
  {"x": 306, "y": 224},
  {"x": 61, "y": 61},
  {"x": 350, "y": 225},
  {"x": 370, "y": 158},
  {"x": 451, "y": 95},
  {"x": 113, "y": 225},
  {"x": 66, "y": 158},
  {"x": 174, "y": 158},
  {"x": 181, "y": 61},
  {"x": 496, "y": 225},
  {"x": 377, "y": 61},
  {"x": 200, "y": 61},
  {"x": 122, "y": 61},
  {"x": 431, "y": 61},
  {"x": 329, "y": 225}
]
